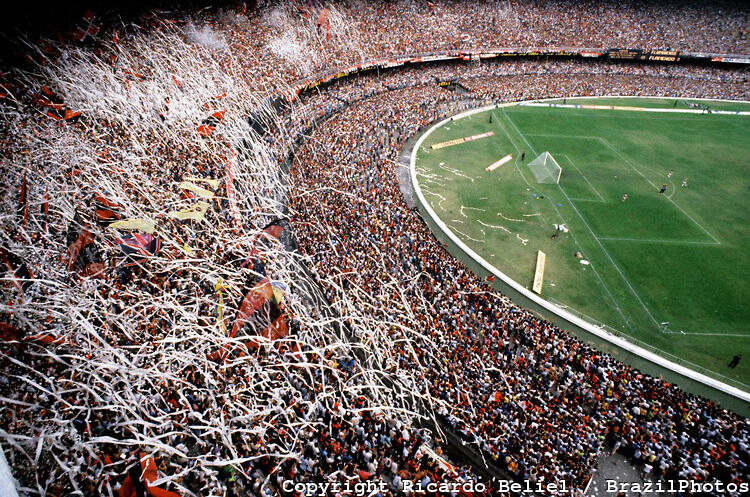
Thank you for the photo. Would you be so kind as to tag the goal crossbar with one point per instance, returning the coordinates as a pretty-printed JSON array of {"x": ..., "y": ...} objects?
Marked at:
[{"x": 545, "y": 169}]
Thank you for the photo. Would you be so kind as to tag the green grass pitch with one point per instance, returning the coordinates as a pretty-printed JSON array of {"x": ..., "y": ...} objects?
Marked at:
[{"x": 679, "y": 257}]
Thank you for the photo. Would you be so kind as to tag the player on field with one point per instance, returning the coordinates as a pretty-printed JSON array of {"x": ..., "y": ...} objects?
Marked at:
[
  {"x": 735, "y": 360},
  {"x": 684, "y": 183},
  {"x": 669, "y": 174},
  {"x": 663, "y": 188},
  {"x": 624, "y": 197}
]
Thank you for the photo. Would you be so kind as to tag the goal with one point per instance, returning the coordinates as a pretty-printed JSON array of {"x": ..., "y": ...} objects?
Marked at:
[{"x": 545, "y": 169}]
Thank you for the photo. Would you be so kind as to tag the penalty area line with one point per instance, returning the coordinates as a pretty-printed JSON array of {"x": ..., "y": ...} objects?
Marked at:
[
  {"x": 698, "y": 333},
  {"x": 611, "y": 260},
  {"x": 656, "y": 240},
  {"x": 615, "y": 303},
  {"x": 586, "y": 179},
  {"x": 632, "y": 165},
  {"x": 606, "y": 143}
]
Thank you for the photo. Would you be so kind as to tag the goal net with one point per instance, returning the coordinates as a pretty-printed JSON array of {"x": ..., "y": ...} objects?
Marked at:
[{"x": 545, "y": 169}]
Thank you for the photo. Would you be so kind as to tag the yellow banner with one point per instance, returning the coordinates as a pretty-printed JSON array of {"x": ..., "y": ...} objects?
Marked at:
[
  {"x": 214, "y": 183},
  {"x": 140, "y": 224},
  {"x": 196, "y": 212},
  {"x": 464, "y": 139},
  {"x": 499, "y": 163},
  {"x": 539, "y": 274},
  {"x": 448, "y": 143},
  {"x": 201, "y": 192},
  {"x": 220, "y": 307}
]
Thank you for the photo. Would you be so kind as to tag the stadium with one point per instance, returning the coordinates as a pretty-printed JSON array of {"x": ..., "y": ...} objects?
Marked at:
[{"x": 375, "y": 248}]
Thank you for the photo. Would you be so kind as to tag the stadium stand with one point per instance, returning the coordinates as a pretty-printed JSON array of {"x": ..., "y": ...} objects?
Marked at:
[{"x": 196, "y": 304}]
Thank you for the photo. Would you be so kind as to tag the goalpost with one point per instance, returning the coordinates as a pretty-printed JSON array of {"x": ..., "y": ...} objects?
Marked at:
[{"x": 545, "y": 169}]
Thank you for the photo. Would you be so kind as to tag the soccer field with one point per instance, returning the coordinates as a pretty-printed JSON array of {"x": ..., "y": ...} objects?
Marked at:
[{"x": 666, "y": 269}]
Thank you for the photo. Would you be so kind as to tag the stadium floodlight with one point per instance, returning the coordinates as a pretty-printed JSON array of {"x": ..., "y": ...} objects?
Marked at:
[{"x": 545, "y": 169}]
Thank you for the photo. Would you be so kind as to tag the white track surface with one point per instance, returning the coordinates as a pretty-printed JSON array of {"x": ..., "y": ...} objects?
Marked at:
[{"x": 567, "y": 316}]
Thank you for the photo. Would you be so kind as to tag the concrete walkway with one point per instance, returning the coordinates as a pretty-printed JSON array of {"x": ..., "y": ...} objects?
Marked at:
[{"x": 618, "y": 468}]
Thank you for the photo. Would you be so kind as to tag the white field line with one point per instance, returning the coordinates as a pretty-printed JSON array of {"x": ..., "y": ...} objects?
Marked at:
[
  {"x": 669, "y": 197},
  {"x": 701, "y": 333},
  {"x": 601, "y": 245},
  {"x": 583, "y": 112},
  {"x": 515, "y": 162},
  {"x": 637, "y": 109},
  {"x": 605, "y": 142},
  {"x": 594, "y": 322},
  {"x": 632, "y": 166},
  {"x": 624, "y": 344},
  {"x": 653, "y": 240},
  {"x": 572, "y": 137},
  {"x": 513, "y": 125},
  {"x": 673, "y": 189},
  {"x": 637, "y": 97},
  {"x": 611, "y": 260},
  {"x": 575, "y": 240},
  {"x": 585, "y": 178},
  {"x": 598, "y": 240}
]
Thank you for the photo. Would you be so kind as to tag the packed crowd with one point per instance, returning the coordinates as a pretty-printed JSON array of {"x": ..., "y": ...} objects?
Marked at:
[
  {"x": 151, "y": 315},
  {"x": 537, "y": 401},
  {"x": 141, "y": 260},
  {"x": 484, "y": 81},
  {"x": 296, "y": 39}
]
